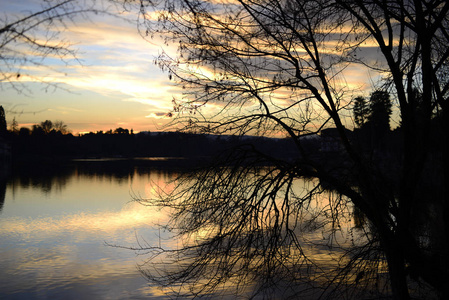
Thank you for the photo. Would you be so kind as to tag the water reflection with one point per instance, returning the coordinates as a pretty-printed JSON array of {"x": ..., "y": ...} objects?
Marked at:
[
  {"x": 238, "y": 237},
  {"x": 55, "y": 224},
  {"x": 4, "y": 170}
]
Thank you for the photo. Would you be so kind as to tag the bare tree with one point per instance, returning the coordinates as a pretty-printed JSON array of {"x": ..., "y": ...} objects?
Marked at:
[
  {"x": 28, "y": 39},
  {"x": 264, "y": 67},
  {"x": 61, "y": 127},
  {"x": 46, "y": 126}
]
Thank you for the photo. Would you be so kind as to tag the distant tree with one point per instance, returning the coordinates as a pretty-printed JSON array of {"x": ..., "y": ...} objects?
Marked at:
[
  {"x": 380, "y": 111},
  {"x": 379, "y": 119},
  {"x": 24, "y": 131},
  {"x": 3, "y": 126},
  {"x": 61, "y": 127},
  {"x": 121, "y": 130},
  {"x": 46, "y": 126},
  {"x": 361, "y": 111},
  {"x": 14, "y": 126},
  {"x": 37, "y": 130}
]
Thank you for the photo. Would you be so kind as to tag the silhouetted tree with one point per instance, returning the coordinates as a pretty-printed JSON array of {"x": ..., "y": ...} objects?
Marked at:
[
  {"x": 361, "y": 111},
  {"x": 24, "y": 131},
  {"x": 379, "y": 119},
  {"x": 3, "y": 126},
  {"x": 14, "y": 126},
  {"x": 265, "y": 67},
  {"x": 61, "y": 127},
  {"x": 416, "y": 99},
  {"x": 37, "y": 130},
  {"x": 380, "y": 111},
  {"x": 120, "y": 130},
  {"x": 46, "y": 126}
]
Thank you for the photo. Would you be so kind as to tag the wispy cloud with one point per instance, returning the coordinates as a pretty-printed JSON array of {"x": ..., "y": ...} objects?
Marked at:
[{"x": 114, "y": 61}]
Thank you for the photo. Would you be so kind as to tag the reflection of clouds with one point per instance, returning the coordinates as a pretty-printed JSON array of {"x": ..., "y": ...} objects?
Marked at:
[
  {"x": 54, "y": 245},
  {"x": 60, "y": 274},
  {"x": 68, "y": 255},
  {"x": 62, "y": 255},
  {"x": 155, "y": 189},
  {"x": 134, "y": 215}
]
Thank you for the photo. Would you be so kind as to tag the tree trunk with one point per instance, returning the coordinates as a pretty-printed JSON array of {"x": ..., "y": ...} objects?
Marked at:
[
  {"x": 396, "y": 268},
  {"x": 445, "y": 149}
]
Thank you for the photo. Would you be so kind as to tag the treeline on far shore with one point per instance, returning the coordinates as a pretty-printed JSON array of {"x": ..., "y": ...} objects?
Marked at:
[{"x": 124, "y": 143}]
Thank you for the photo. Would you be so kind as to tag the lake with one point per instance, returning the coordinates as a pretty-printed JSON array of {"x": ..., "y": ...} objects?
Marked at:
[{"x": 56, "y": 224}]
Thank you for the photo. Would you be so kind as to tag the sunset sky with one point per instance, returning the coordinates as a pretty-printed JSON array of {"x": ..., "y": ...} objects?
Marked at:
[{"x": 116, "y": 84}]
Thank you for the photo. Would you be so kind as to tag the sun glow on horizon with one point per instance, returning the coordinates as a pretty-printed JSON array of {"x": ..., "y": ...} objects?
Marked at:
[{"x": 114, "y": 84}]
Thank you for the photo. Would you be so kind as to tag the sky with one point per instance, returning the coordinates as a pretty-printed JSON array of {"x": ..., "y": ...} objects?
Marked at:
[{"x": 115, "y": 83}]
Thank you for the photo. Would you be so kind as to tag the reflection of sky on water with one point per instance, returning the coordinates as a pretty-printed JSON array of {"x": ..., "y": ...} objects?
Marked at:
[
  {"x": 53, "y": 236},
  {"x": 55, "y": 226}
]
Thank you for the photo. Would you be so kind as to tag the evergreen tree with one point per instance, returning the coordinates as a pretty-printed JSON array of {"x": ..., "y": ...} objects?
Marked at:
[
  {"x": 380, "y": 111},
  {"x": 14, "y": 126},
  {"x": 379, "y": 118},
  {"x": 361, "y": 111}
]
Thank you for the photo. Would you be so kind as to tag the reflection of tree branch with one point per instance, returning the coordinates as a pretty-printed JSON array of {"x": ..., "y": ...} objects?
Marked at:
[
  {"x": 272, "y": 67},
  {"x": 243, "y": 224},
  {"x": 2, "y": 190}
]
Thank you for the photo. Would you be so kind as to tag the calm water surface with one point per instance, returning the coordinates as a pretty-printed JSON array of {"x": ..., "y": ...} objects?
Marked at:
[{"x": 55, "y": 224}]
